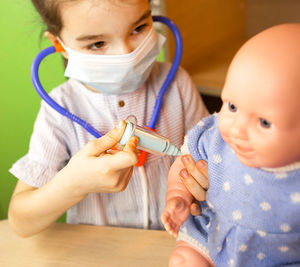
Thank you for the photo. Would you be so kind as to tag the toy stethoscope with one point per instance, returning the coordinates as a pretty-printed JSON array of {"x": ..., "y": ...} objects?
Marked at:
[{"x": 155, "y": 113}]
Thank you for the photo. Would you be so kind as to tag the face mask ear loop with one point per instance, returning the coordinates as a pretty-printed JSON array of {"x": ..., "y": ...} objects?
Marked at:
[{"x": 58, "y": 47}]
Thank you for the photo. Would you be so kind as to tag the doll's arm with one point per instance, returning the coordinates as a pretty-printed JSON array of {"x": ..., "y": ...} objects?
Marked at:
[{"x": 178, "y": 200}]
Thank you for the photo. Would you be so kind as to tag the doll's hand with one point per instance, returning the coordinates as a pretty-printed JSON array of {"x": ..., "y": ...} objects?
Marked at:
[
  {"x": 175, "y": 213},
  {"x": 195, "y": 178},
  {"x": 96, "y": 169}
]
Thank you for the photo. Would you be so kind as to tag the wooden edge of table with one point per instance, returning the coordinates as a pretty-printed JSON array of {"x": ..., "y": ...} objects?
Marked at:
[{"x": 85, "y": 245}]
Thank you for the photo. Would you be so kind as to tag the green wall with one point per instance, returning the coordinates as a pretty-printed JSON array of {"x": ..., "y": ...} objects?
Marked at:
[{"x": 19, "y": 103}]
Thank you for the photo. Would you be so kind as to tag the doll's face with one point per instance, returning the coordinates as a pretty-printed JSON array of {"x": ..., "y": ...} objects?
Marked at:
[
  {"x": 260, "y": 131},
  {"x": 260, "y": 118}
]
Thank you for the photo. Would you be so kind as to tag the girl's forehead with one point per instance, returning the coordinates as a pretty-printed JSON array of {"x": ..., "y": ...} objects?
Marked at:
[{"x": 101, "y": 16}]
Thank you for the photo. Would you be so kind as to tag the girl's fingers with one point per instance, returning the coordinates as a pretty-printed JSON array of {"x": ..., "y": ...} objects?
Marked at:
[
  {"x": 192, "y": 185},
  {"x": 131, "y": 144},
  {"x": 126, "y": 158},
  {"x": 195, "y": 209},
  {"x": 199, "y": 171},
  {"x": 107, "y": 141}
]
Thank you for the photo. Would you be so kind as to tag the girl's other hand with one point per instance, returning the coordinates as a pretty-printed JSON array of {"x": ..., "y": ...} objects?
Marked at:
[
  {"x": 195, "y": 178},
  {"x": 97, "y": 169}
]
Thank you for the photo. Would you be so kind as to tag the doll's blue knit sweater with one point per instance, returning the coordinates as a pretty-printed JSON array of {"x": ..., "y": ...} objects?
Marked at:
[{"x": 251, "y": 216}]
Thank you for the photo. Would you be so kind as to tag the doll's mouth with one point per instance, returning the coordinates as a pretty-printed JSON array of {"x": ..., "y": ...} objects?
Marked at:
[
  {"x": 241, "y": 150},
  {"x": 237, "y": 147}
]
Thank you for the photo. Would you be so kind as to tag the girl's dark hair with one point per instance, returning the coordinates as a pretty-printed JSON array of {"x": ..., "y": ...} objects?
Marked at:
[{"x": 49, "y": 11}]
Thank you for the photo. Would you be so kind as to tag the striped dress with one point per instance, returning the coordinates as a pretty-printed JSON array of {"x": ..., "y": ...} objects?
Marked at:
[{"x": 56, "y": 139}]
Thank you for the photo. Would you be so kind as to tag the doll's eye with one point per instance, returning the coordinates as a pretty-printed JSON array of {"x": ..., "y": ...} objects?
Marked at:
[
  {"x": 232, "y": 107},
  {"x": 264, "y": 123}
]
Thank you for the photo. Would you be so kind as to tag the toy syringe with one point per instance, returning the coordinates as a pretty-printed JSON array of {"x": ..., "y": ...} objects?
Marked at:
[{"x": 149, "y": 141}]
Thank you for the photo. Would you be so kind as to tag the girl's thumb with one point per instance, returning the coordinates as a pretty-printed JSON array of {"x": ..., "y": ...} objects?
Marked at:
[{"x": 107, "y": 141}]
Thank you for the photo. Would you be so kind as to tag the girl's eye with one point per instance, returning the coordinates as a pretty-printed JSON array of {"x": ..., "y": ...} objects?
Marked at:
[
  {"x": 139, "y": 28},
  {"x": 97, "y": 45},
  {"x": 264, "y": 123},
  {"x": 232, "y": 107}
]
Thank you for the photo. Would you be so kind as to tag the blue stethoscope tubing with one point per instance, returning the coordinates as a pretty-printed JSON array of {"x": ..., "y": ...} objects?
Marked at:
[{"x": 157, "y": 106}]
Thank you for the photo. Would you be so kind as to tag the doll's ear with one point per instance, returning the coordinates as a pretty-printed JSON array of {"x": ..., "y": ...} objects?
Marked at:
[{"x": 56, "y": 43}]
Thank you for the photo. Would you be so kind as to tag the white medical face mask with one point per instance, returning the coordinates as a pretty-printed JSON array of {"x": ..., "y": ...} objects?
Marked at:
[{"x": 116, "y": 74}]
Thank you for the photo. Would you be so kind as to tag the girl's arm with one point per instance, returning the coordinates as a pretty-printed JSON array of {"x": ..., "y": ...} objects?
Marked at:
[
  {"x": 92, "y": 169},
  {"x": 33, "y": 209}
]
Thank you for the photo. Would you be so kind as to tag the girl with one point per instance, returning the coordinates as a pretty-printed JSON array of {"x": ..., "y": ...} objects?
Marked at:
[{"x": 65, "y": 169}]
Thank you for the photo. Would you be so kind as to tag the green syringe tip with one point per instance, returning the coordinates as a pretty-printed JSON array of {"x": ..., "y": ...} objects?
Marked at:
[{"x": 173, "y": 151}]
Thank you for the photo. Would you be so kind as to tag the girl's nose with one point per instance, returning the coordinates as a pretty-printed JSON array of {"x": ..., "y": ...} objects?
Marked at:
[
  {"x": 238, "y": 129},
  {"x": 125, "y": 48}
]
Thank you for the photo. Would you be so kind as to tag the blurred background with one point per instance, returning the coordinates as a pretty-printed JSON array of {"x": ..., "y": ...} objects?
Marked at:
[{"x": 212, "y": 31}]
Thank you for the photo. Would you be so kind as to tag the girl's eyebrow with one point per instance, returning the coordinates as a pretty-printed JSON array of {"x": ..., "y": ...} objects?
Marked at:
[
  {"x": 89, "y": 37},
  {"x": 99, "y": 36},
  {"x": 144, "y": 16}
]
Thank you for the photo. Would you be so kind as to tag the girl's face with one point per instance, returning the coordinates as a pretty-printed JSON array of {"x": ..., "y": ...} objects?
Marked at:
[
  {"x": 258, "y": 118},
  {"x": 108, "y": 27}
]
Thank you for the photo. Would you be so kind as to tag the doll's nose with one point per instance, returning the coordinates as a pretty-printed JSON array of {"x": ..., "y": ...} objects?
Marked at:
[{"x": 238, "y": 129}]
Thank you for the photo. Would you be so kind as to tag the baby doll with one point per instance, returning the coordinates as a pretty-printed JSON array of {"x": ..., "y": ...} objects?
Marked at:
[{"x": 251, "y": 216}]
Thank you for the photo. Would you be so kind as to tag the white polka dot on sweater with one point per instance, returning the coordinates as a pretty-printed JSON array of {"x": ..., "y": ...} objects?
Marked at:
[
  {"x": 200, "y": 123},
  {"x": 261, "y": 233},
  {"x": 265, "y": 206},
  {"x": 217, "y": 158},
  {"x": 243, "y": 248},
  {"x": 285, "y": 228},
  {"x": 226, "y": 186},
  {"x": 261, "y": 256},
  {"x": 237, "y": 215},
  {"x": 283, "y": 249},
  {"x": 295, "y": 197},
  {"x": 231, "y": 263},
  {"x": 248, "y": 179},
  {"x": 209, "y": 204}
]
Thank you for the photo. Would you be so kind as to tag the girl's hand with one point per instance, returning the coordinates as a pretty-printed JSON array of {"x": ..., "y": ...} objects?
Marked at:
[
  {"x": 97, "y": 169},
  {"x": 195, "y": 178}
]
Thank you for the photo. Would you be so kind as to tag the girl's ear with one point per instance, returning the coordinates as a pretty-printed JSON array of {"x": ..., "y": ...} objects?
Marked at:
[{"x": 56, "y": 43}]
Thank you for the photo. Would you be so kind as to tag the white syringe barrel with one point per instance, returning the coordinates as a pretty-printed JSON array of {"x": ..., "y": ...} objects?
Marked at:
[{"x": 148, "y": 140}]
